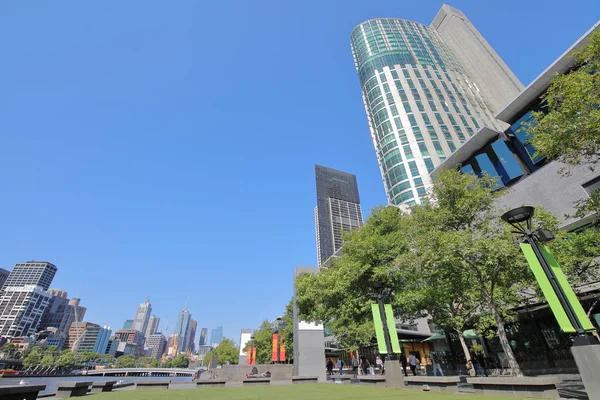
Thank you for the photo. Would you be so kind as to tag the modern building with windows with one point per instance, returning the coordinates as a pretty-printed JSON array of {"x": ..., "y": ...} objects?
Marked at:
[
  {"x": 182, "y": 328},
  {"x": 537, "y": 340},
  {"x": 191, "y": 336},
  {"x": 61, "y": 313},
  {"x": 3, "y": 276},
  {"x": 337, "y": 211},
  {"x": 152, "y": 328},
  {"x": 39, "y": 273},
  {"x": 142, "y": 316},
  {"x": 216, "y": 336},
  {"x": 156, "y": 344},
  {"x": 21, "y": 309},
  {"x": 202, "y": 341},
  {"x": 420, "y": 101}
]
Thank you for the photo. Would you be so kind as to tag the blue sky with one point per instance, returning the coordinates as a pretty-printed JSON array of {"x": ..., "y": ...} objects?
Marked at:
[{"x": 168, "y": 148}]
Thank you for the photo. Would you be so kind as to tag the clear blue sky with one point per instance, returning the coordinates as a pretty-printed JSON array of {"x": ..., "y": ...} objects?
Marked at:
[{"x": 166, "y": 148}]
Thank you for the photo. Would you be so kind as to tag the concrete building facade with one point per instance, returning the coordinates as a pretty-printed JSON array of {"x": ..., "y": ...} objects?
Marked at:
[
  {"x": 495, "y": 80},
  {"x": 191, "y": 336},
  {"x": 38, "y": 273},
  {"x": 21, "y": 309},
  {"x": 337, "y": 211},
  {"x": 3, "y": 276},
  {"x": 152, "y": 328},
  {"x": 182, "y": 328},
  {"x": 142, "y": 316},
  {"x": 421, "y": 103},
  {"x": 61, "y": 312},
  {"x": 156, "y": 344}
]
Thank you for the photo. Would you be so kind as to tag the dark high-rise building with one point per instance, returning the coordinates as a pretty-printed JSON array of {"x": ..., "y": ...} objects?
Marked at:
[
  {"x": 38, "y": 273},
  {"x": 3, "y": 276},
  {"x": 191, "y": 336},
  {"x": 61, "y": 312},
  {"x": 202, "y": 341},
  {"x": 337, "y": 211}
]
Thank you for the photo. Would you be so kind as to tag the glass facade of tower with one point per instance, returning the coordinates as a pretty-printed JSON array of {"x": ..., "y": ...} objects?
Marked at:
[{"x": 420, "y": 104}]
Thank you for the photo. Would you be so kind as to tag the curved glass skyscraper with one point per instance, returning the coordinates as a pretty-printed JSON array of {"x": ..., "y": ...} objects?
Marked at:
[{"x": 420, "y": 104}]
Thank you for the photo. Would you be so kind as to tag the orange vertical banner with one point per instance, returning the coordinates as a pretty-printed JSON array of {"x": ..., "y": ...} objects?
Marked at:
[
  {"x": 248, "y": 355},
  {"x": 274, "y": 357},
  {"x": 254, "y": 356},
  {"x": 281, "y": 351}
]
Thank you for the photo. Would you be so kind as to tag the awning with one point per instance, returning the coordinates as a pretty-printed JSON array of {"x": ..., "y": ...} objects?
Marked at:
[
  {"x": 436, "y": 336},
  {"x": 471, "y": 334}
]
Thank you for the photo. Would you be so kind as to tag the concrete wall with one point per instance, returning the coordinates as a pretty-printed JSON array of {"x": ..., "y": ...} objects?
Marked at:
[
  {"x": 309, "y": 340},
  {"x": 236, "y": 373},
  {"x": 547, "y": 188}
]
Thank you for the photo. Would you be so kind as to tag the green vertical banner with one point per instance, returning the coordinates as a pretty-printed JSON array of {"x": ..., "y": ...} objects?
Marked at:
[
  {"x": 568, "y": 290},
  {"x": 391, "y": 325},
  {"x": 378, "y": 322},
  {"x": 544, "y": 282}
]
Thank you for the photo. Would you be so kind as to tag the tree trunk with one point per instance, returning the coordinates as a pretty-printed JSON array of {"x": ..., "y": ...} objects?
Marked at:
[
  {"x": 512, "y": 361},
  {"x": 463, "y": 343}
]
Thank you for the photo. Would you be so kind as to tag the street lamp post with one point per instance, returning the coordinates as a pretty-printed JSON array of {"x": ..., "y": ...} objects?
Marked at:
[
  {"x": 585, "y": 349},
  {"x": 386, "y": 334}
]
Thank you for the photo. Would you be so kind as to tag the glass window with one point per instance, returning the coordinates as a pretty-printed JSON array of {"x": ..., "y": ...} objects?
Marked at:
[
  {"x": 468, "y": 169},
  {"x": 408, "y": 152},
  {"x": 507, "y": 159},
  {"x": 423, "y": 148},
  {"x": 487, "y": 167},
  {"x": 432, "y": 105},
  {"x": 438, "y": 148},
  {"x": 429, "y": 164},
  {"x": 522, "y": 135}
]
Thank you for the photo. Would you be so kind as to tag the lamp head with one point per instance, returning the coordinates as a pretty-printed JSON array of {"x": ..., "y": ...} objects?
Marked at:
[{"x": 518, "y": 215}]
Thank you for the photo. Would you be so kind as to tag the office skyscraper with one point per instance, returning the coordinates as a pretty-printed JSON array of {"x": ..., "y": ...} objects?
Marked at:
[
  {"x": 152, "y": 326},
  {"x": 61, "y": 312},
  {"x": 202, "y": 341},
  {"x": 497, "y": 83},
  {"x": 142, "y": 316},
  {"x": 3, "y": 276},
  {"x": 216, "y": 336},
  {"x": 182, "y": 328},
  {"x": 39, "y": 273},
  {"x": 21, "y": 309},
  {"x": 191, "y": 335},
  {"x": 420, "y": 102},
  {"x": 337, "y": 211},
  {"x": 128, "y": 324}
]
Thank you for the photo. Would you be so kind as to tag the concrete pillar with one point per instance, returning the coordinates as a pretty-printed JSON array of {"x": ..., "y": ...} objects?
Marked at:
[
  {"x": 394, "y": 377},
  {"x": 309, "y": 340}
]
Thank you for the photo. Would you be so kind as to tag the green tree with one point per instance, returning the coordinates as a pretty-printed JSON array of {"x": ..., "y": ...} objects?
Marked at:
[
  {"x": 154, "y": 363},
  {"x": 263, "y": 341},
  {"x": 226, "y": 353},
  {"x": 9, "y": 351},
  {"x": 467, "y": 242},
  {"x": 107, "y": 359},
  {"x": 144, "y": 361},
  {"x": 66, "y": 359},
  {"x": 569, "y": 130},
  {"x": 126, "y": 362},
  {"x": 287, "y": 330},
  {"x": 181, "y": 361},
  {"x": 168, "y": 363},
  {"x": 341, "y": 296},
  {"x": 48, "y": 360},
  {"x": 33, "y": 358}
]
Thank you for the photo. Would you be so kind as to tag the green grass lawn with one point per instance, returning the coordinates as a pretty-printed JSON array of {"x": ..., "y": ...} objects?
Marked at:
[{"x": 289, "y": 392}]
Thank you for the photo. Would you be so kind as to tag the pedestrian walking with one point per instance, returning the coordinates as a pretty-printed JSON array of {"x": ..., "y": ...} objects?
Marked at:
[
  {"x": 404, "y": 363},
  {"x": 435, "y": 361},
  {"x": 412, "y": 360},
  {"x": 329, "y": 367},
  {"x": 340, "y": 365}
]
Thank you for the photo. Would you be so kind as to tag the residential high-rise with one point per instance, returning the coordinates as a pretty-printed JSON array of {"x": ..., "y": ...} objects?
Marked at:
[
  {"x": 495, "y": 80},
  {"x": 337, "y": 211},
  {"x": 421, "y": 104},
  {"x": 156, "y": 344},
  {"x": 202, "y": 341},
  {"x": 216, "y": 336},
  {"x": 182, "y": 325},
  {"x": 191, "y": 335},
  {"x": 3, "y": 276},
  {"x": 38, "y": 273},
  {"x": 61, "y": 312},
  {"x": 142, "y": 316},
  {"x": 21, "y": 309},
  {"x": 152, "y": 325}
]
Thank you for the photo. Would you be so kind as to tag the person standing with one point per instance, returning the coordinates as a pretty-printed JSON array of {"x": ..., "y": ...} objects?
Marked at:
[
  {"x": 355, "y": 366},
  {"x": 340, "y": 365},
  {"x": 329, "y": 367},
  {"x": 379, "y": 363},
  {"x": 403, "y": 362},
  {"x": 435, "y": 361},
  {"x": 412, "y": 360}
]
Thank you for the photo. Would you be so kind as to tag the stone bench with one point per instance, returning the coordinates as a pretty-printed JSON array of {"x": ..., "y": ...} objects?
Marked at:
[
  {"x": 305, "y": 379},
  {"x": 71, "y": 389},
  {"x": 152, "y": 384},
  {"x": 204, "y": 383},
  {"x": 539, "y": 387},
  {"x": 343, "y": 379},
  {"x": 21, "y": 392},
  {"x": 122, "y": 385},
  {"x": 435, "y": 383},
  {"x": 372, "y": 380},
  {"x": 256, "y": 381},
  {"x": 103, "y": 386}
]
